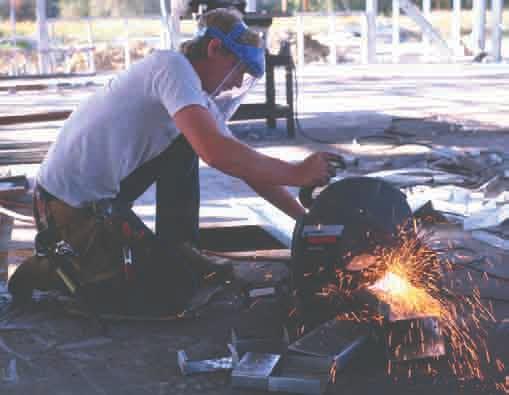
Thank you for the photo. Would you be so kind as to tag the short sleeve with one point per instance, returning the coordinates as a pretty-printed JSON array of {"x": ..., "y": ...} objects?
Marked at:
[{"x": 176, "y": 84}]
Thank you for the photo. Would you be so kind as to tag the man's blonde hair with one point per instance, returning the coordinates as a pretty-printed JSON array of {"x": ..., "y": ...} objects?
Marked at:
[{"x": 223, "y": 19}]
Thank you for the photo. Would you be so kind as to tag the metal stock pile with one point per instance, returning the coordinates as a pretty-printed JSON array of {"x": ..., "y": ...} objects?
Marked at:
[
  {"x": 423, "y": 318},
  {"x": 366, "y": 261}
]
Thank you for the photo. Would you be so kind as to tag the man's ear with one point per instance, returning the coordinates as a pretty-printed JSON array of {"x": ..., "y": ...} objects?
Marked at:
[{"x": 214, "y": 48}]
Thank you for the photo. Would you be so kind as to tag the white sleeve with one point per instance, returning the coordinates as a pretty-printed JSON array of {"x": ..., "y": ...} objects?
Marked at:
[{"x": 177, "y": 85}]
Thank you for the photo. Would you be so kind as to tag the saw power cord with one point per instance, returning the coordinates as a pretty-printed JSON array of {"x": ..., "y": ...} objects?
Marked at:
[
  {"x": 383, "y": 139},
  {"x": 298, "y": 126}
]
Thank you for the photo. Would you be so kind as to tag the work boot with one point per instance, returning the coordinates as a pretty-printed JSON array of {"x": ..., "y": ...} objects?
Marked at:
[
  {"x": 34, "y": 273},
  {"x": 208, "y": 268}
]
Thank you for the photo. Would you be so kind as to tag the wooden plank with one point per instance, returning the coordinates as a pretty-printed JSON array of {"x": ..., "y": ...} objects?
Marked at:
[{"x": 35, "y": 117}]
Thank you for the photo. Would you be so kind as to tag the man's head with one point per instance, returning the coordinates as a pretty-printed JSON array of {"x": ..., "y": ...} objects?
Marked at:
[{"x": 224, "y": 49}]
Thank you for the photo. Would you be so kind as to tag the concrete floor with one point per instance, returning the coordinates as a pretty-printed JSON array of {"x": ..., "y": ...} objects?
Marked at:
[{"x": 46, "y": 351}]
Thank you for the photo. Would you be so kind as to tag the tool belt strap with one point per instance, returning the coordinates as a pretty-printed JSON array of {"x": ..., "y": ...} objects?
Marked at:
[{"x": 95, "y": 240}]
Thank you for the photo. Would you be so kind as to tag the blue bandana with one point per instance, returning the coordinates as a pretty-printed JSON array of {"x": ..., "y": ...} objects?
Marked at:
[{"x": 252, "y": 56}]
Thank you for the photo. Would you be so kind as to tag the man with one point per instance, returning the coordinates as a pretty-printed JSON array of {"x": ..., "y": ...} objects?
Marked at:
[{"x": 149, "y": 125}]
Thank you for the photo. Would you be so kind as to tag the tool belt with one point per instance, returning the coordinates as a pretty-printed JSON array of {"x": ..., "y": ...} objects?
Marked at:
[
  {"x": 114, "y": 257},
  {"x": 91, "y": 231}
]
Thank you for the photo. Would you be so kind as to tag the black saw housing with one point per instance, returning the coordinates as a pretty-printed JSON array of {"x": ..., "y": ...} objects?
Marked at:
[{"x": 347, "y": 220}]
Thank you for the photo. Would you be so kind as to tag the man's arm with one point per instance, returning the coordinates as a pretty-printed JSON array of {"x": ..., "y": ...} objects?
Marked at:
[
  {"x": 239, "y": 160},
  {"x": 281, "y": 198}
]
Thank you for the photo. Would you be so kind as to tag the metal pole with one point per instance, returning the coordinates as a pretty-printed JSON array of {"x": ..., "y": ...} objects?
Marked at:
[
  {"x": 369, "y": 31},
  {"x": 479, "y": 24},
  {"x": 410, "y": 9},
  {"x": 175, "y": 31},
  {"x": 166, "y": 32},
  {"x": 175, "y": 13},
  {"x": 91, "y": 51},
  {"x": 456, "y": 28},
  {"x": 332, "y": 33},
  {"x": 426, "y": 12},
  {"x": 12, "y": 17},
  {"x": 42, "y": 36},
  {"x": 127, "y": 52},
  {"x": 395, "y": 31},
  {"x": 496, "y": 30},
  {"x": 300, "y": 41}
]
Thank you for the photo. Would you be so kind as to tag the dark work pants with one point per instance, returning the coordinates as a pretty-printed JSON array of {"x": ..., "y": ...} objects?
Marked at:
[
  {"x": 176, "y": 173},
  {"x": 165, "y": 282}
]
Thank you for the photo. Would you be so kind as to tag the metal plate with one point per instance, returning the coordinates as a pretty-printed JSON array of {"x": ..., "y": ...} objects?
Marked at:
[
  {"x": 254, "y": 369},
  {"x": 414, "y": 339},
  {"x": 330, "y": 338}
]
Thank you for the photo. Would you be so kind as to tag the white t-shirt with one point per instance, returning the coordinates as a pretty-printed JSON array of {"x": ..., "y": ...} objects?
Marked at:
[{"x": 118, "y": 129}]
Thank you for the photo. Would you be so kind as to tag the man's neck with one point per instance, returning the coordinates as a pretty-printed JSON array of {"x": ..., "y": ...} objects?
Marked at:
[{"x": 201, "y": 69}]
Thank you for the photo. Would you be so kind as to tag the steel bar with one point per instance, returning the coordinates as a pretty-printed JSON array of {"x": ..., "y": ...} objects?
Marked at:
[
  {"x": 42, "y": 37},
  {"x": 188, "y": 367},
  {"x": 254, "y": 369},
  {"x": 395, "y": 31},
  {"x": 456, "y": 28},
  {"x": 427, "y": 29},
  {"x": 496, "y": 29},
  {"x": 479, "y": 24}
]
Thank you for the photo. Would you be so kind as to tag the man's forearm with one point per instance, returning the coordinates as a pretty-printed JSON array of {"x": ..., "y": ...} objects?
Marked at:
[
  {"x": 281, "y": 198},
  {"x": 241, "y": 161}
]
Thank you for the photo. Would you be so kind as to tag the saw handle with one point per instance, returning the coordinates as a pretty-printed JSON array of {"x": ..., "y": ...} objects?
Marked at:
[{"x": 306, "y": 193}]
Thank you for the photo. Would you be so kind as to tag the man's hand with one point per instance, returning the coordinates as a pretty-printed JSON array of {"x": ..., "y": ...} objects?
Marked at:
[{"x": 318, "y": 168}]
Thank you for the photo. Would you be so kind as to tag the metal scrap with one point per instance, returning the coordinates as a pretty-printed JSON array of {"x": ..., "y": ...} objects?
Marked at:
[
  {"x": 414, "y": 339},
  {"x": 329, "y": 338},
  {"x": 10, "y": 373},
  {"x": 254, "y": 369},
  {"x": 242, "y": 345},
  {"x": 418, "y": 176},
  {"x": 492, "y": 216},
  {"x": 92, "y": 342},
  {"x": 491, "y": 238},
  {"x": 188, "y": 367},
  {"x": 301, "y": 375}
]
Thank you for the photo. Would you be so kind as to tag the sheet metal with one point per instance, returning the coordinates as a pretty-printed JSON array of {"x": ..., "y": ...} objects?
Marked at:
[
  {"x": 414, "y": 339},
  {"x": 188, "y": 367},
  {"x": 254, "y": 369}
]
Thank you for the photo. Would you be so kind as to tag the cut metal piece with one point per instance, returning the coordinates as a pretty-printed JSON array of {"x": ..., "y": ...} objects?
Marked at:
[
  {"x": 299, "y": 385},
  {"x": 327, "y": 339},
  {"x": 254, "y": 369},
  {"x": 341, "y": 359},
  {"x": 242, "y": 345},
  {"x": 322, "y": 230},
  {"x": 299, "y": 374},
  {"x": 188, "y": 367},
  {"x": 259, "y": 292},
  {"x": 202, "y": 298},
  {"x": 414, "y": 339}
]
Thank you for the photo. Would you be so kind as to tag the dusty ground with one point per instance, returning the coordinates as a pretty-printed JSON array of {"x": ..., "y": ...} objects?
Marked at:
[{"x": 47, "y": 351}]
